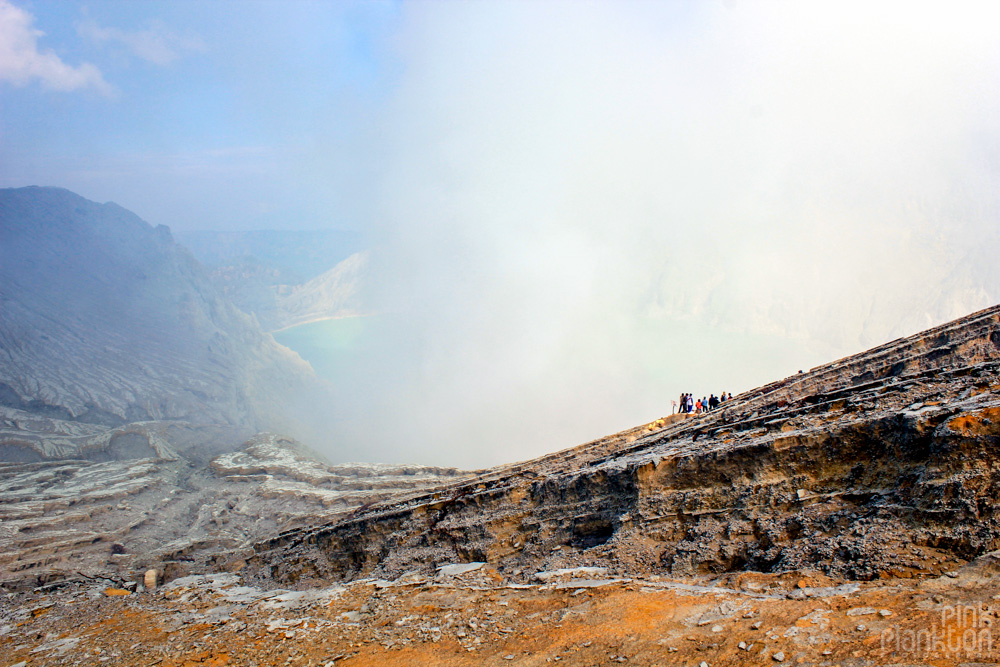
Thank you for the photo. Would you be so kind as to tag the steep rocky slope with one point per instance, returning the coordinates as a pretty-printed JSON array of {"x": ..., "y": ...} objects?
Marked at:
[
  {"x": 129, "y": 386},
  {"x": 882, "y": 464},
  {"x": 107, "y": 321}
]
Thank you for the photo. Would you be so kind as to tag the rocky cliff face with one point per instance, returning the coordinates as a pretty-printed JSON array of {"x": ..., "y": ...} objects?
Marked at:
[
  {"x": 881, "y": 464},
  {"x": 107, "y": 321}
]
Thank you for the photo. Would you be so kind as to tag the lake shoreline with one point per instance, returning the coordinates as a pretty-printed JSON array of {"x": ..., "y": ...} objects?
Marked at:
[{"x": 321, "y": 319}]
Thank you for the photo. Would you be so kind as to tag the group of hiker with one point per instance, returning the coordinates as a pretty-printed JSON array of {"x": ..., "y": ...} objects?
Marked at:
[{"x": 689, "y": 404}]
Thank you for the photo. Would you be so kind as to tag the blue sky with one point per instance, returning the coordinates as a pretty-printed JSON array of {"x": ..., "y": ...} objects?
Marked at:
[{"x": 201, "y": 114}]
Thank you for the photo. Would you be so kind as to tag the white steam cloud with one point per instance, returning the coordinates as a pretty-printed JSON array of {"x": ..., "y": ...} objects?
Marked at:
[{"x": 590, "y": 208}]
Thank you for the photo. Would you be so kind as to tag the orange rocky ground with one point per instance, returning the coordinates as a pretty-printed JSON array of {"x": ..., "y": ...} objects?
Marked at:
[{"x": 478, "y": 618}]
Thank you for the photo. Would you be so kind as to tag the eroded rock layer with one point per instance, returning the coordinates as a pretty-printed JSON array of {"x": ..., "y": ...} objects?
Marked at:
[
  {"x": 881, "y": 464},
  {"x": 174, "y": 511}
]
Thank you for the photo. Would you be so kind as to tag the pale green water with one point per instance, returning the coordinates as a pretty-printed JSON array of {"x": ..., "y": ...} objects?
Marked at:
[{"x": 331, "y": 346}]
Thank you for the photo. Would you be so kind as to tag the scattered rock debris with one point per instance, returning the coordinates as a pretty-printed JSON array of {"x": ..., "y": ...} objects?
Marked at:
[{"x": 478, "y": 618}]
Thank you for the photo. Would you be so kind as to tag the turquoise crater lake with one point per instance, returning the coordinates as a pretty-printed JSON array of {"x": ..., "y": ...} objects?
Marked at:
[{"x": 330, "y": 346}]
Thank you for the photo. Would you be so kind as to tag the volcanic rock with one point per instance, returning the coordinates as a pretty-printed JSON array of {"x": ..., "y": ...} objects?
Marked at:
[
  {"x": 876, "y": 465},
  {"x": 70, "y": 520}
]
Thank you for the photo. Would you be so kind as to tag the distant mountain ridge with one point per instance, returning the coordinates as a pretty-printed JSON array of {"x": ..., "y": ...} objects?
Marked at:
[
  {"x": 285, "y": 278},
  {"x": 106, "y": 320},
  {"x": 335, "y": 293},
  {"x": 291, "y": 256}
]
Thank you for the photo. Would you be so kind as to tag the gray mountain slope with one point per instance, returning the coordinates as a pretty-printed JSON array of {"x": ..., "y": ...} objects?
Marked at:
[
  {"x": 285, "y": 278},
  {"x": 106, "y": 320},
  {"x": 335, "y": 293},
  {"x": 291, "y": 256},
  {"x": 279, "y": 302},
  {"x": 129, "y": 386}
]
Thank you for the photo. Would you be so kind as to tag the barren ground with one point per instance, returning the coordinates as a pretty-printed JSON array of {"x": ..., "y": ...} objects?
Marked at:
[{"x": 479, "y": 618}]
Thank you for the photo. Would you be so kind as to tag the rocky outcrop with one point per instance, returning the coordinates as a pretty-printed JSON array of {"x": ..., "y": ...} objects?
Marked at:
[
  {"x": 107, "y": 321},
  {"x": 881, "y": 464},
  {"x": 176, "y": 512},
  {"x": 128, "y": 382},
  {"x": 26, "y": 437}
]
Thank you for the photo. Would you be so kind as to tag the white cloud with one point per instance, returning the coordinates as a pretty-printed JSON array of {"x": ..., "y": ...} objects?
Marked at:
[
  {"x": 156, "y": 43},
  {"x": 21, "y": 61}
]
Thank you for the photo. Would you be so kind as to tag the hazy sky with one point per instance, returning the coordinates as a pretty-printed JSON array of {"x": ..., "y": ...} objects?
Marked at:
[
  {"x": 579, "y": 209},
  {"x": 198, "y": 115}
]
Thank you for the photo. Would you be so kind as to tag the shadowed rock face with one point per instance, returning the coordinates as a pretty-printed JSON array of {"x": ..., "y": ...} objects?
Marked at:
[
  {"x": 107, "y": 321},
  {"x": 881, "y": 464}
]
